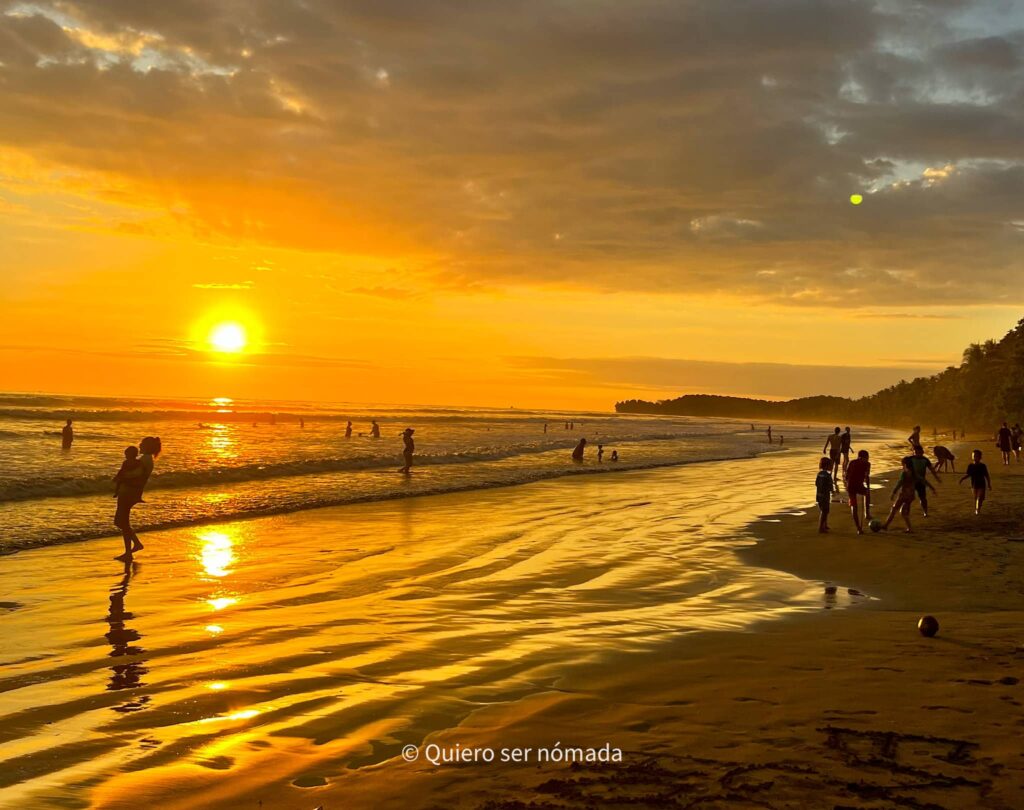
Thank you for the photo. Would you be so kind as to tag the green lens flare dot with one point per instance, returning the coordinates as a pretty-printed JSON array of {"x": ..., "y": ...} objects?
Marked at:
[{"x": 856, "y": 199}]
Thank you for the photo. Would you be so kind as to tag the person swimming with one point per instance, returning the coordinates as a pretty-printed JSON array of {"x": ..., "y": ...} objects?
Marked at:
[{"x": 577, "y": 453}]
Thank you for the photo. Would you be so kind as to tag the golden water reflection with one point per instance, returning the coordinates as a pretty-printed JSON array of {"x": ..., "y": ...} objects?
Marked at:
[
  {"x": 221, "y": 441},
  {"x": 217, "y": 553}
]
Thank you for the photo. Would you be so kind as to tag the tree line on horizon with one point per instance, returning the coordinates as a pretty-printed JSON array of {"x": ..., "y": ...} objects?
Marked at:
[{"x": 986, "y": 389}]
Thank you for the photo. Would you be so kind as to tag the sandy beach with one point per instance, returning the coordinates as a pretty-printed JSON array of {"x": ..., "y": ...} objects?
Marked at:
[{"x": 288, "y": 661}]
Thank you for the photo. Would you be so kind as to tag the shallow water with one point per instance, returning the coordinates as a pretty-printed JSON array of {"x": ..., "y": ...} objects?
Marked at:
[{"x": 327, "y": 639}]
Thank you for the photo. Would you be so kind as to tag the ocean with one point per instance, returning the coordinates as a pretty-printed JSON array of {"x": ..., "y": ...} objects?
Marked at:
[{"x": 225, "y": 459}]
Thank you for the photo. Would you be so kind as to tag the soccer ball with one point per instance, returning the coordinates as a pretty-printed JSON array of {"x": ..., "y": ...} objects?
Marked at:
[
  {"x": 928, "y": 626},
  {"x": 875, "y": 525}
]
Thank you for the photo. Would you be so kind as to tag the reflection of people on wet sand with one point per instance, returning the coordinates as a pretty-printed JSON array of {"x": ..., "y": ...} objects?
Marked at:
[
  {"x": 374, "y": 430},
  {"x": 130, "y": 491},
  {"x": 67, "y": 435},
  {"x": 944, "y": 458},
  {"x": 129, "y": 675},
  {"x": 577, "y": 453},
  {"x": 407, "y": 451}
]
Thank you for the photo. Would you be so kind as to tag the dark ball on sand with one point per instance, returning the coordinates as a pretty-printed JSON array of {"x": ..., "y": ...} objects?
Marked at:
[{"x": 928, "y": 626}]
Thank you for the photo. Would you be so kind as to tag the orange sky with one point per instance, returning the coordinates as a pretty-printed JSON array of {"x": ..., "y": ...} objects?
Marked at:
[{"x": 401, "y": 208}]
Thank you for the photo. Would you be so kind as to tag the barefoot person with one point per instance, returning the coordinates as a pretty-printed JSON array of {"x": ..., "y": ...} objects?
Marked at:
[
  {"x": 903, "y": 495},
  {"x": 858, "y": 485},
  {"x": 922, "y": 465},
  {"x": 977, "y": 471},
  {"x": 833, "y": 448},
  {"x": 1004, "y": 441},
  {"x": 1016, "y": 438},
  {"x": 823, "y": 493},
  {"x": 130, "y": 487},
  {"x": 409, "y": 447},
  {"x": 845, "y": 444},
  {"x": 944, "y": 458}
]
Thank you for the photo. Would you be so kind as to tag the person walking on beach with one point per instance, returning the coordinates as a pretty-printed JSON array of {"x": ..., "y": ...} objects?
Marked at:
[
  {"x": 130, "y": 489},
  {"x": 922, "y": 465},
  {"x": 903, "y": 495},
  {"x": 833, "y": 448},
  {"x": 977, "y": 471},
  {"x": 1016, "y": 434},
  {"x": 1004, "y": 441},
  {"x": 823, "y": 493},
  {"x": 67, "y": 435},
  {"x": 348, "y": 429},
  {"x": 858, "y": 485},
  {"x": 577, "y": 453},
  {"x": 407, "y": 450},
  {"x": 944, "y": 458},
  {"x": 374, "y": 430},
  {"x": 845, "y": 445}
]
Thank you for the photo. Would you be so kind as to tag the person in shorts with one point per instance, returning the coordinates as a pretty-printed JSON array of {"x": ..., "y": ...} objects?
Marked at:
[
  {"x": 922, "y": 465},
  {"x": 980, "y": 480},
  {"x": 833, "y": 448},
  {"x": 858, "y": 485}
]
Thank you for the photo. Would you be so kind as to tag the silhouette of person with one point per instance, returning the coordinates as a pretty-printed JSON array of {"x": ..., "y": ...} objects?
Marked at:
[
  {"x": 545, "y": 427},
  {"x": 374, "y": 430},
  {"x": 408, "y": 449},
  {"x": 302, "y": 423},
  {"x": 915, "y": 437},
  {"x": 833, "y": 448},
  {"x": 577, "y": 453},
  {"x": 67, "y": 435},
  {"x": 846, "y": 442},
  {"x": 348, "y": 430},
  {"x": 129, "y": 493},
  {"x": 600, "y": 452},
  {"x": 1004, "y": 439},
  {"x": 769, "y": 434},
  {"x": 615, "y": 455}
]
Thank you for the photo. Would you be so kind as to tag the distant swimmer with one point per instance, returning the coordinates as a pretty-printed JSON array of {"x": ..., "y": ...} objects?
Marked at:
[
  {"x": 833, "y": 448},
  {"x": 577, "y": 453},
  {"x": 615, "y": 455},
  {"x": 408, "y": 449},
  {"x": 130, "y": 488},
  {"x": 600, "y": 452},
  {"x": 348, "y": 430},
  {"x": 980, "y": 480},
  {"x": 944, "y": 457},
  {"x": 1004, "y": 441},
  {"x": 858, "y": 485},
  {"x": 915, "y": 437},
  {"x": 67, "y": 435},
  {"x": 769, "y": 434},
  {"x": 374, "y": 430}
]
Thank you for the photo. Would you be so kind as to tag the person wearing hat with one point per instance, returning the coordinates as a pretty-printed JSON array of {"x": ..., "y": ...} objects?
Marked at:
[{"x": 408, "y": 450}]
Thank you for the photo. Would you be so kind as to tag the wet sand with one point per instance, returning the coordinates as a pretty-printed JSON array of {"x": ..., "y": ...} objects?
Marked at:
[{"x": 288, "y": 660}]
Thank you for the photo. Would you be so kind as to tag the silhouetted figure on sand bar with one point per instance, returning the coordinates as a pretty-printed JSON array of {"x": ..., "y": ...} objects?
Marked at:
[
  {"x": 67, "y": 435},
  {"x": 408, "y": 449},
  {"x": 374, "y": 430},
  {"x": 577, "y": 453},
  {"x": 131, "y": 487}
]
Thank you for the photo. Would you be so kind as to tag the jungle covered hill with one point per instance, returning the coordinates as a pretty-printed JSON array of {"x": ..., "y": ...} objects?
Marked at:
[{"x": 986, "y": 389}]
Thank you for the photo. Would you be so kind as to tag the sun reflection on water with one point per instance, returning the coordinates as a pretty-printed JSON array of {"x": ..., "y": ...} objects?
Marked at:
[{"x": 217, "y": 553}]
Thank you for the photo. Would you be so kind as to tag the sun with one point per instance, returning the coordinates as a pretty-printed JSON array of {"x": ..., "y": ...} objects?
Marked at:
[{"x": 229, "y": 338}]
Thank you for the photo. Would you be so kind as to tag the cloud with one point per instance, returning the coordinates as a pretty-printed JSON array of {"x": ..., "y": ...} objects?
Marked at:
[{"x": 677, "y": 147}]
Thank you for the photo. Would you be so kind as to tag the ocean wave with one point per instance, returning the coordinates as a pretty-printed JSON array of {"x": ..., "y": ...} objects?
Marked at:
[{"x": 339, "y": 497}]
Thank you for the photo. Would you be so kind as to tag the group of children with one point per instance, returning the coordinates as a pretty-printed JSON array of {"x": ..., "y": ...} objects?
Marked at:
[{"x": 912, "y": 484}]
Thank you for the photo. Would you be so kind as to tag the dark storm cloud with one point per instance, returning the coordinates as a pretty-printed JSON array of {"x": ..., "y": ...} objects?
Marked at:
[{"x": 653, "y": 145}]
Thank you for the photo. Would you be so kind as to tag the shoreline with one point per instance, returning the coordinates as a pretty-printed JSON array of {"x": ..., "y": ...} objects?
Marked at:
[{"x": 811, "y": 704}]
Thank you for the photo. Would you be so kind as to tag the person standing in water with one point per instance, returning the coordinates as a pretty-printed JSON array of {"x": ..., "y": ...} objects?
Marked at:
[
  {"x": 129, "y": 493},
  {"x": 845, "y": 445},
  {"x": 67, "y": 435},
  {"x": 407, "y": 450},
  {"x": 374, "y": 430},
  {"x": 769, "y": 434},
  {"x": 915, "y": 437},
  {"x": 577, "y": 453},
  {"x": 600, "y": 452},
  {"x": 348, "y": 429}
]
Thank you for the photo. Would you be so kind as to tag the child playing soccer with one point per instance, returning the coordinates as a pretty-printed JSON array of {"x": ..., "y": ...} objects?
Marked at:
[
  {"x": 903, "y": 494},
  {"x": 980, "y": 480}
]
